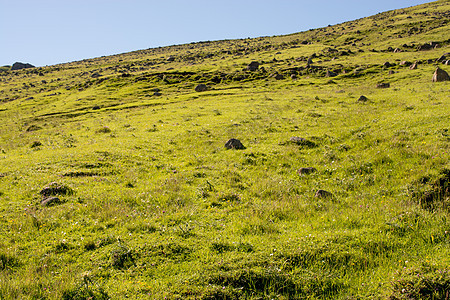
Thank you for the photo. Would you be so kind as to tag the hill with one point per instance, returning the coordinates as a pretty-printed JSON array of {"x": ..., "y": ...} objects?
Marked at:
[{"x": 115, "y": 181}]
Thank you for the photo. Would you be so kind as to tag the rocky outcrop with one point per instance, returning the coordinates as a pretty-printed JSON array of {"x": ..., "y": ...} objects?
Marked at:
[{"x": 19, "y": 66}]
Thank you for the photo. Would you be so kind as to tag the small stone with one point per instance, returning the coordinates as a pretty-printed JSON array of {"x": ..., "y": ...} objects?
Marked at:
[
  {"x": 323, "y": 194},
  {"x": 363, "y": 99},
  {"x": 306, "y": 171},
  {"x": 201, "y": 88},
  {"x": 383, "y": 85},
  {"x": 330, "y": 74},
  {"x": 234, "y": 144},
  {"x": 443, "y": 58},
  {"x": 413, "y": 66},
  {"x": 278, "y": 76}
]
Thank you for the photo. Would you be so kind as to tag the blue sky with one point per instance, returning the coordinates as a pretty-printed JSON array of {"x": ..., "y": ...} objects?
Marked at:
[{"x": 47, "y": 32}]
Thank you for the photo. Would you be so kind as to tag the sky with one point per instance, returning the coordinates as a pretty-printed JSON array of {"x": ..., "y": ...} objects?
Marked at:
[{"x": 48, "y": 32}]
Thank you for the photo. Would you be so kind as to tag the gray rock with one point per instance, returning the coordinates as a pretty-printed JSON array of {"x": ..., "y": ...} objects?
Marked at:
[
  {"x": 55, "y": 188},
  {"x": 363, "y": 99},
  {"x": 19, "y": 66},
  {"x": 330, "y": 74},
  {"x": 383, "y": 85},
  {"x": 440, "y": 75},
  {"x": 253, "y": 66},
  {"x": 234, "y": 144},
  {"x": 201, "y": 88},
  {"x": 50, "y": 201},
  {"x": 443, "y": 57},
  {"x": 278, "y": 76}
]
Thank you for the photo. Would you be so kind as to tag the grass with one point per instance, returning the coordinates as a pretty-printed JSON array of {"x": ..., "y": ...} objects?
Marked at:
[{"x": 155, "y": 206}]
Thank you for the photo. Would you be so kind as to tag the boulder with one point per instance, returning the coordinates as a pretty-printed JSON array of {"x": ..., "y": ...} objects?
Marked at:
[
  {"x": 253, "y": 66},
  {"x": 19, "y": 66},
  {"x": 440, "y": 75},
  {"x": 234, "y": 144},
  {"x": 55, "y": 188},
  {"x": 201, "y": 88}
]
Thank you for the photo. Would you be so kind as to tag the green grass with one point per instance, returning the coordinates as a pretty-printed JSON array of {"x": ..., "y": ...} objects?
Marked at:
[{"x": 157, "y": 207}]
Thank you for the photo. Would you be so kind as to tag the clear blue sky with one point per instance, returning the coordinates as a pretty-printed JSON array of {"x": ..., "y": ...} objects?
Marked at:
[{"x": 47, "y": 32}]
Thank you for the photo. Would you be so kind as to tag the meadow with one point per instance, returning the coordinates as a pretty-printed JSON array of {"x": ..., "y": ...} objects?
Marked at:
[{"x": 115, "y": 182}]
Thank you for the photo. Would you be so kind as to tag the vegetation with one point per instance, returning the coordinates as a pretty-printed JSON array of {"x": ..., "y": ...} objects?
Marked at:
[{"x": 115, "y": 182}]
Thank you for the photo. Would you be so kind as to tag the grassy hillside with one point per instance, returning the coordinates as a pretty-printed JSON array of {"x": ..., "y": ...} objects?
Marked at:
[{"x": 115, "y": 181}]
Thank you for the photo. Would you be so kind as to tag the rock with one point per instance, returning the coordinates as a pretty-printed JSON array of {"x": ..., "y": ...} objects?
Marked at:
[
  {"x": 442, "y": 58},
  {"x": 330, "y": 74},
  {"x": 157, "y": 94},
  {"x": 302, "y": 142},
  {"x": 253, "y": 66},
  {"x": 50, "y": 201},
  {"x": 405, "y": 63},
  {"x": 293, "y": 76},
  {"x": 96, "y": 107},
  {"x": 413, "y": 66},
  {"x": 363, "y": 99},
  {"x": 387, "y": 64},
  {"x": 278, "y": 76},
  {"x": 383, "y": 85},
  {"x": 306, "y": 171},
  {"x": 391, "y": 72},
  {"x": 440, "y": 75},
  {"x": 201, "y": 88},
  {"x": 19, "y": 66},
  {"x": 309, "y": 62},
  {"x": 33, "y": 128},
  {"x": 323, "y": 194},
  {"x": 55, "y": 188},
  {"x": 36, "y": 144},
  {"x": 397, "y": 50},
  {"x": 170, "y": 58},
  {"x": 234, "y": 144}
]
